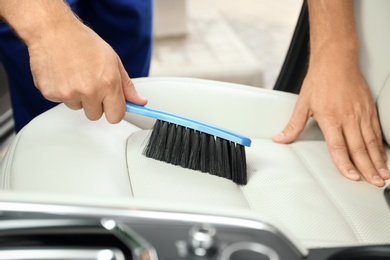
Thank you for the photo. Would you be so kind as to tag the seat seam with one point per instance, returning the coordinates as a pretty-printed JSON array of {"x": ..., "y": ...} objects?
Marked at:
[
  {"x": 8, "y": 162},
  {"x": 330, "y": 196},
  {"x": 128, "y": 169},
  {"x": 379, "y": 98},
  {"x": 246, "y": 198}
]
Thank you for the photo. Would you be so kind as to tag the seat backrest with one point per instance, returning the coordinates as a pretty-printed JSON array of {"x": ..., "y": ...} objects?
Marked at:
[{"x": 372, "y": 23}]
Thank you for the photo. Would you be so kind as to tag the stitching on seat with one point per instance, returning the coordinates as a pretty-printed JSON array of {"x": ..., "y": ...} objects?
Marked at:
[
  {"x": 380, "y": 95},
  {"x": 382, "y": 87},
  {"x": 8, "y": 162},
  {"x": 248, "y": 204},
  {"x": 127, "y": 166},
  {"x": 352, "y": 225}
]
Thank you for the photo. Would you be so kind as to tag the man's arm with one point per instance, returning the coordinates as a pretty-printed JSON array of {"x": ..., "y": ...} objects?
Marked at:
[
  {"x": 69, "y": 62},
  {"x": 337, "y": 96}
]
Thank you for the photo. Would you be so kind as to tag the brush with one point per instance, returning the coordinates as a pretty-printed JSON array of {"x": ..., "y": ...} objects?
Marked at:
[{"x": 195, "y": 145}]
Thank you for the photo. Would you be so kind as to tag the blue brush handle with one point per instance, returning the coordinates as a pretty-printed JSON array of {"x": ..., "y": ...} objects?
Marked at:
[{"x": 186, "y": 122}]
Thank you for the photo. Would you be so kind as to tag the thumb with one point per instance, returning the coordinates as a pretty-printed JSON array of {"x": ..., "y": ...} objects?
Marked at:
[
  {"x": 128, "y": 88},
  {"x": 294, "y": 127}
]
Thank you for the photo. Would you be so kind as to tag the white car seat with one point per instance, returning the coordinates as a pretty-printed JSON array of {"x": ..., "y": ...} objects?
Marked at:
[{"x": 296, "y": 185}]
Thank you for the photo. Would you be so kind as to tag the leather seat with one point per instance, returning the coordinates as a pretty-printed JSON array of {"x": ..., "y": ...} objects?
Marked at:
[{"x": 296, "y": 185}]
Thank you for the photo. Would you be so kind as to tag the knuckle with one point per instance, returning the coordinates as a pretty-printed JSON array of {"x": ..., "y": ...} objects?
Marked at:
[
  {"x": 62, "y": 93},
  {"x": 372, "y": 143},
  {"x": 128, "y": 82},
  {"x": 67, "y": 96},
  {"x": 93, "y": 116},
  {"x": 378, "y": 163},
  {"x": 338, "y": 147},
  {"x": 109, "y": 81},
  {"x": 47, "y": 93},
  {"x": 378, "y": 133},
  {"x": 351, "y": 116},
  {"x": 340, "y": 156},
  {"x": 359, "y": 149},
  {"x": 50, "y": 94},
  {"x": 331, "y": 118},
  {"x": 85, "y": 89},
  {"x": 290, "y": 127},
  {"x": 342, "y": 163}
]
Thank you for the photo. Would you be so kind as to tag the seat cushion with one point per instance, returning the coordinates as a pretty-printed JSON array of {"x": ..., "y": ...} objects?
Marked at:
[{"x": 295, "y": 185}]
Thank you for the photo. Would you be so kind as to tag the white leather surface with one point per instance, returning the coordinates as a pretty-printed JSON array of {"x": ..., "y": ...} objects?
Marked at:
[
  {"x": 62, "y": 152},
  {"x": 295, "y": 185}
]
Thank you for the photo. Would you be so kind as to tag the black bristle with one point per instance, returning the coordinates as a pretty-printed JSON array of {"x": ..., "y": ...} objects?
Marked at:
[
  {"x": 243, "y": 172},
  {"x": 195, "y": 150},
  {"x": 194, "y": 160},
  {"x": 150, "y": 148},
  {"x": 204, "y": 156},
  {"x": 211, "y": 153},
  {"x": 233, "y": 160},
  {"x": 177, "y": 145},
  {"x": 241, "y": 165},
  {"x": 226, "y": 159},
  {"x": 220, "y": 169},
  {"x": 170, "y": 142},
  {"x": 186, "y": 148},
  {"x": 161, "y": 143}
]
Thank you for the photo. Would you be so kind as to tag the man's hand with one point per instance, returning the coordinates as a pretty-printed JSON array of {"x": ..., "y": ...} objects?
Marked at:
[
  {"x": 75, "y": 66},
  {"x": 69, "y": 62},
  {"x": 338, "y": 98}
]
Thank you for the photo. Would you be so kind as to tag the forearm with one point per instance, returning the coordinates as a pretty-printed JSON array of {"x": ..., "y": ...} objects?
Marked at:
[
  {"x": 31, "y": 20},
  {"x": 332, "y": 31}
]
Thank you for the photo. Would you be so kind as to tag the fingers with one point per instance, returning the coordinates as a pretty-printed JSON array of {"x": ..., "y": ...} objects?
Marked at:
[
  {"x": 295, "y": 127},
  {"x": 378, "y": 133},
  {"x": 372, "y": 137},
  {"x": 99, "y": 97},
  {"x": 357, "y": 149},
  {"x": 74, "y": 105},
  {"x": 111, "y": 100},
  {"x": 93, "y": 108},
  {"x": 129, "y": 90},
  {"x": 83, "y": 72},
  {"x": 339, "y": 151},
  {"x": 363, "y": 148},
  {"x": 114, "y": 104},
  {"x": 108, "y": 96}
]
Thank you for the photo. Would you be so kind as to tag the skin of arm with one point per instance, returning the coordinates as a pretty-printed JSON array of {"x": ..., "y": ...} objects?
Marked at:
[
  {"x": 69, "y": 62},
  {"x": 336, "y": 95}
]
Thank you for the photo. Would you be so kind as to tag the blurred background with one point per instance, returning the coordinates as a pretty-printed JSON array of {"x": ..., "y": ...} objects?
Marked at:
[{"x": 235, "y": 41}]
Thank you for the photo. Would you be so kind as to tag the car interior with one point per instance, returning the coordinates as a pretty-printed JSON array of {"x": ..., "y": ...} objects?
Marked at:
[{"x": 78, "y": 189}]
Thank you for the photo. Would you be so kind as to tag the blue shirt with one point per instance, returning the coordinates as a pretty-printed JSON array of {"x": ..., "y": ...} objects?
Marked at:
[{"x": 124, "y": 24}]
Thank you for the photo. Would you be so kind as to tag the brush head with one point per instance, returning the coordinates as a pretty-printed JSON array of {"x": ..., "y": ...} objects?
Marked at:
[{"x": 197, "y": 150}]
